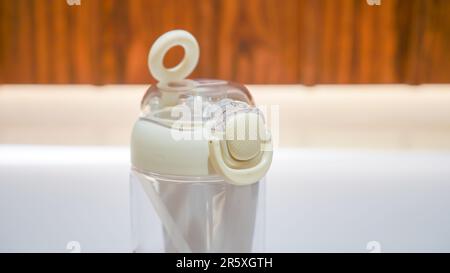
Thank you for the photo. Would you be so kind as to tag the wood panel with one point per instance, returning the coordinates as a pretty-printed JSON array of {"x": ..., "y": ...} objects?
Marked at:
[
  {"x": 252, "y": 41},
  {"x": 258, "y": 41}
]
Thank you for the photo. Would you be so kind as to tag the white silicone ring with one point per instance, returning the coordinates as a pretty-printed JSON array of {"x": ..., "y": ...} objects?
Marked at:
[{"x": 160, "y": 48}]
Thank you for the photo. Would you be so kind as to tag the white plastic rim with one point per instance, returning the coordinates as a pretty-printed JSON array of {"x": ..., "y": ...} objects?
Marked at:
[{"x": 161, "y": 47}]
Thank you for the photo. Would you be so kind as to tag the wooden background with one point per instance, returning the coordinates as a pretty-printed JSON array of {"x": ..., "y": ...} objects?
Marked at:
[{"x": 250, "y": 41}]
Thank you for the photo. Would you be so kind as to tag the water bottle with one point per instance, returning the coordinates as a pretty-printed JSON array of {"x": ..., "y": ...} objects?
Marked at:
[{"x": 199, "y": 153}]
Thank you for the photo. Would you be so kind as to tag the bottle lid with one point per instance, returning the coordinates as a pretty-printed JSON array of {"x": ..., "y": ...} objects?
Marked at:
[{"x": 199, "y": 127}]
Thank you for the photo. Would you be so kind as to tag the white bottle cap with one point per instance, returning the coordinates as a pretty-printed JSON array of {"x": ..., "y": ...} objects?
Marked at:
[{"x": 241, "y": 160}]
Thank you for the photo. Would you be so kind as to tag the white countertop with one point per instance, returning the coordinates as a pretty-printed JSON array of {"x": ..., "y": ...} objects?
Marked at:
[{"x": 317, "y": 199}]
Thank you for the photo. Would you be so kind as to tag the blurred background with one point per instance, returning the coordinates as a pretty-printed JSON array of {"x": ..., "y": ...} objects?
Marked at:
[
  {"x": 253, "y": 41},
  {"x": 362, "y": 115},
  {"x": 350, "y": 73}
]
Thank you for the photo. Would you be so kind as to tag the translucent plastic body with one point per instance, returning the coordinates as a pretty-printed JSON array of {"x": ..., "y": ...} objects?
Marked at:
[{"x": 186, "y": 214}]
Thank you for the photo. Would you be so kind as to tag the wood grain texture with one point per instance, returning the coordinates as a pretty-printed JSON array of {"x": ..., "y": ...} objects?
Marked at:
[{"x": 252, "y": 41}]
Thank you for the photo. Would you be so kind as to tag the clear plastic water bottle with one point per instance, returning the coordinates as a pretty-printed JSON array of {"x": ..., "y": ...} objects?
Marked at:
[{"x": 199, "y": 153}]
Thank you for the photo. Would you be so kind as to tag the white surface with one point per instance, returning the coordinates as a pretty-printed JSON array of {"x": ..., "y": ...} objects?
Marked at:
[
  {"x": 317, "y": 200},
  {"x": 50, "y": 196}
]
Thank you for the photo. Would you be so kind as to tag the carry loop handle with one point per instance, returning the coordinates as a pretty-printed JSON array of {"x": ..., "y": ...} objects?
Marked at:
[{"x": 161, "y": 47}]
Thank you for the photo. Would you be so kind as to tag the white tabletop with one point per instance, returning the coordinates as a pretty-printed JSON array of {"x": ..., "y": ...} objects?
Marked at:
[{"x": 317, "y": 199}]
